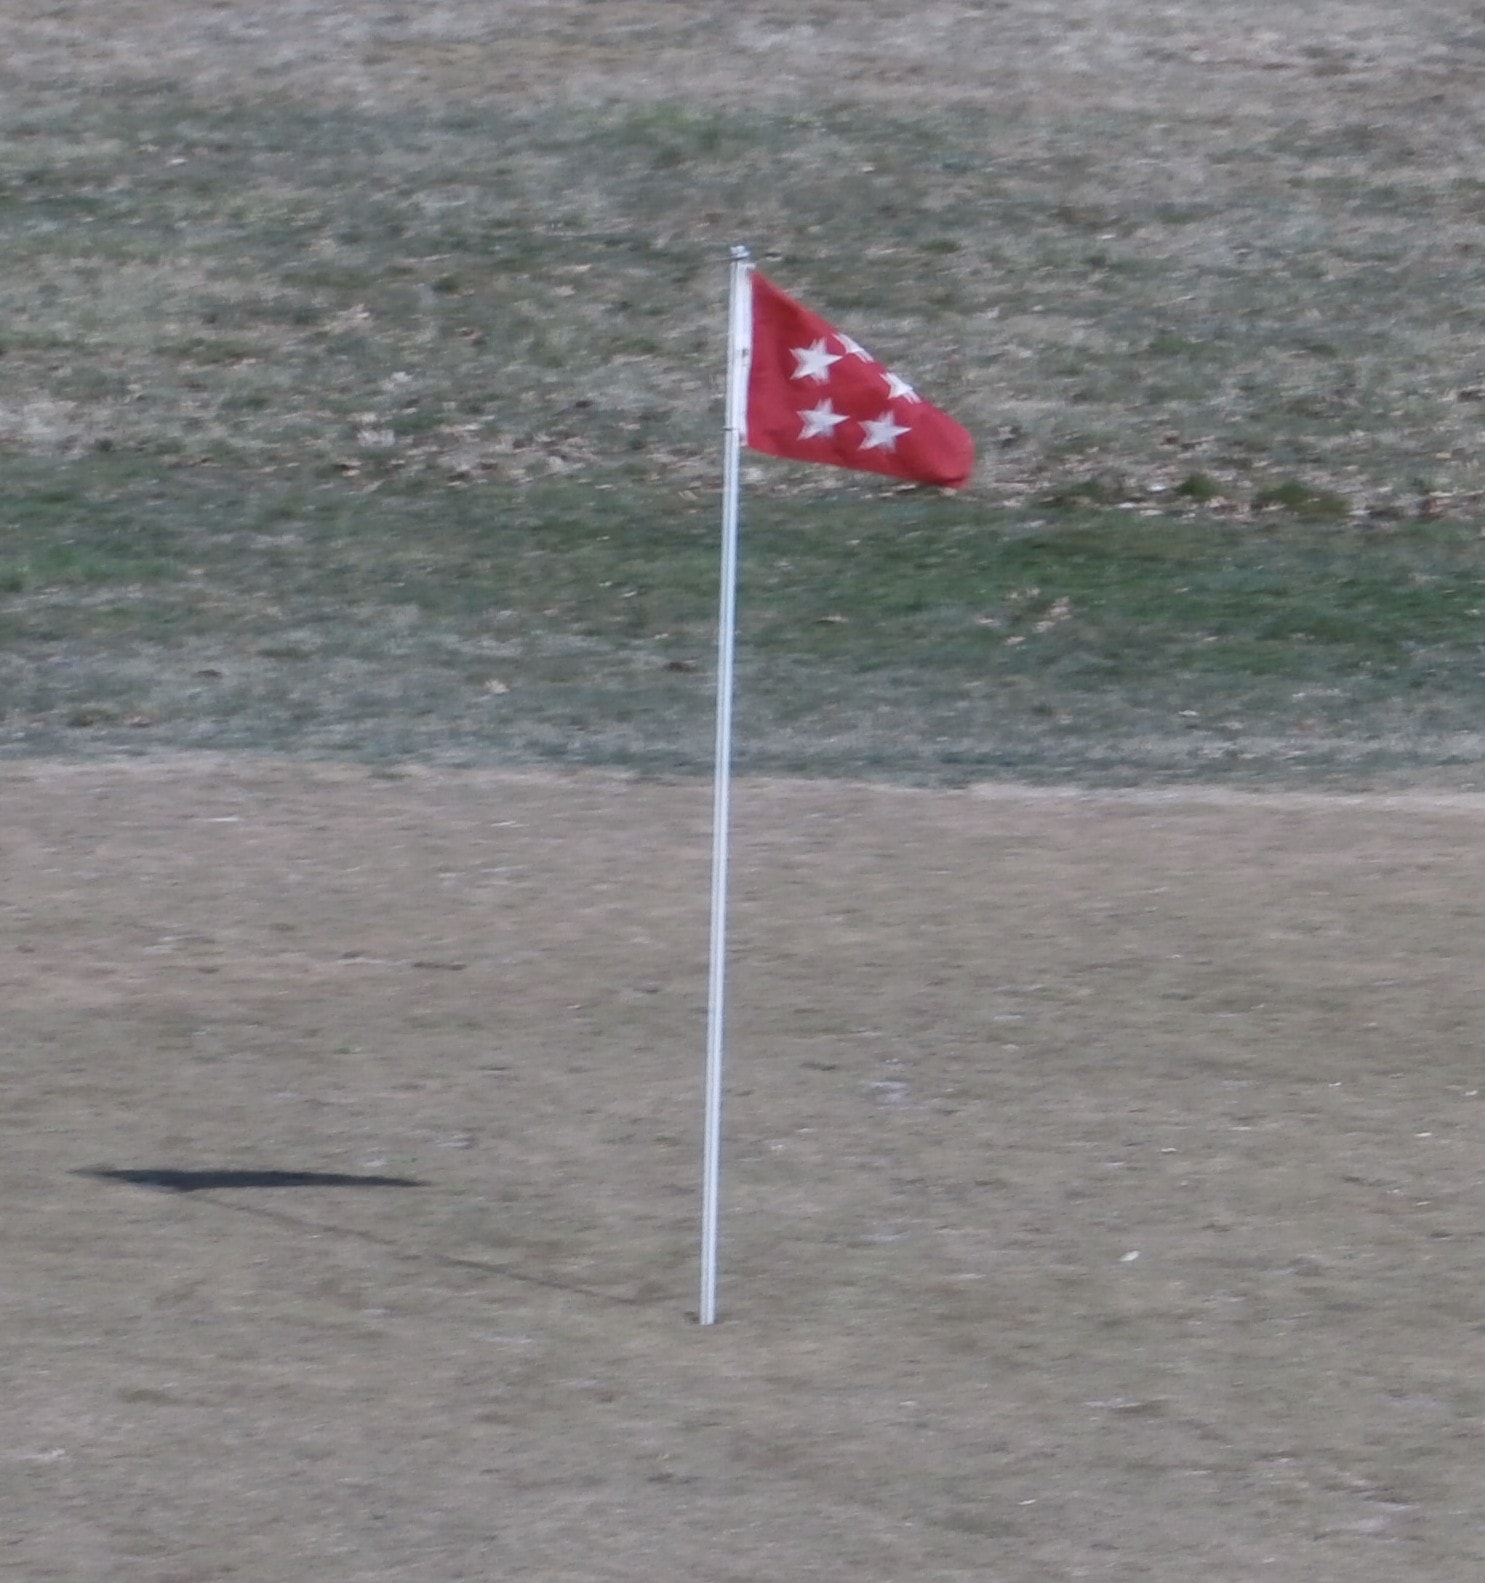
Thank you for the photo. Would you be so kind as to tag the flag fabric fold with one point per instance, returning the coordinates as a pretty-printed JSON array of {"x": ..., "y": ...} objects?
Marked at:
[{"x": 816, "y": 395}]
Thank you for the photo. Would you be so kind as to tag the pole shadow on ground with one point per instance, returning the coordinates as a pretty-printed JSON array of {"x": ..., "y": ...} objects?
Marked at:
[{"x": 173, "y": 1179}]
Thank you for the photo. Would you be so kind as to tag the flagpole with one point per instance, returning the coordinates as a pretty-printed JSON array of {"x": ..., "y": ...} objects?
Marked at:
[{"x": 739, "y": 355}]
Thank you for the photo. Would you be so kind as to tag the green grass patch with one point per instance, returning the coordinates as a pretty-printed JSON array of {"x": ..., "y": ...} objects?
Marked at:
[
  {"x": 1199, "y": 487},
  {"x": 914, "y": 635},
  {"x": 1299, "y": 499}
]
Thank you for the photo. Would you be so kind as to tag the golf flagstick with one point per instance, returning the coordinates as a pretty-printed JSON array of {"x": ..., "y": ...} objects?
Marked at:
[{"x": 739, "y": 355}]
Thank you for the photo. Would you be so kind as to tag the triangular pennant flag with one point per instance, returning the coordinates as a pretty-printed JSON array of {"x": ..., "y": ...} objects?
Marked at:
[{"x": 816, "y": 395}]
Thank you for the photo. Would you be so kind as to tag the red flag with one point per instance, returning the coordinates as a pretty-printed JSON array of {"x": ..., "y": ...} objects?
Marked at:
[{"x": 815, "y": 395}]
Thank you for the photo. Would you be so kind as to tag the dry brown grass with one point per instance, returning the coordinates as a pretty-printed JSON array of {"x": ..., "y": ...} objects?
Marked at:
[
  {"x": 1177, "y": 241},
  {"x": 1143, "y": 56},
  {"x": 454, "y": 274}
]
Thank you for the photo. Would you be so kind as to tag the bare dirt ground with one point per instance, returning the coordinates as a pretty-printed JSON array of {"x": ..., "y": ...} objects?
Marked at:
[{"x": 1103, "y": 1187}]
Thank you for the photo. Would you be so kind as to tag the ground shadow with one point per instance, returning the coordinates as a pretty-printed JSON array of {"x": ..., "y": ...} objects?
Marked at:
[{"x": 171, "y": 1179}]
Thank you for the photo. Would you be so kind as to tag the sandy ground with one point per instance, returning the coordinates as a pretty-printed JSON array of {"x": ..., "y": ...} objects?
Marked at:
[{"x": 1103, "y": 1183}]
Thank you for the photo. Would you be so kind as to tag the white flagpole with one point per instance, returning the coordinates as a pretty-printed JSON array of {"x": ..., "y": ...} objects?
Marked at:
[{"x": 739, "y": 356}]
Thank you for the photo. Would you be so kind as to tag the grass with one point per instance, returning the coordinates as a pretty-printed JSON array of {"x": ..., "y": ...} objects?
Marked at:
[
  {"x": 327, "y": 371},
  {"x": 914, "y": 635}
]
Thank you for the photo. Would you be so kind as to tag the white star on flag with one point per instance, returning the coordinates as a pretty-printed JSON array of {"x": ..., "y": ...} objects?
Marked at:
[
  {"x": 820, "y": 421},
  {"x": 898, "y": 388},
  {"x": 813, "y": 362},
  {"x": 881, "y": 433},
  {"x": 854, "y": 348}
]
